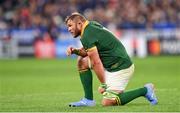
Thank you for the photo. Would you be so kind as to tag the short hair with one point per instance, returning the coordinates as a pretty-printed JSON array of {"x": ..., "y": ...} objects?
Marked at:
[{"x": 75, "y": 15}]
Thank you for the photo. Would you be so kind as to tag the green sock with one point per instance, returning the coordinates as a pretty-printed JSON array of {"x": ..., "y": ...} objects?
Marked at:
[
  {"x": 86, "y": 80},
  {"x": 128, "y": 96}
]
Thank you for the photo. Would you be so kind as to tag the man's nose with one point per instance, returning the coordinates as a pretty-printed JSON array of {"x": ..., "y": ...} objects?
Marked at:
[{"x": 69, "y": 29}]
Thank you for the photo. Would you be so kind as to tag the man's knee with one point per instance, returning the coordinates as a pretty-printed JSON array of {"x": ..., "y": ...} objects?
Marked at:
[
  {"x": 108, "y": 102},
  {"x": 82, "y": 63},
  {"x": 111, "y": 98}
]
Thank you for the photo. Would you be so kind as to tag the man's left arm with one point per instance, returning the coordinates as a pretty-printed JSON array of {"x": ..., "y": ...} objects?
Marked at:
[{"x": 96, "y": 64}]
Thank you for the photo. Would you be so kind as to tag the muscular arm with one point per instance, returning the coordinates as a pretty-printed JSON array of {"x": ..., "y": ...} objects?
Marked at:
[{"x": 97, "y": 64}]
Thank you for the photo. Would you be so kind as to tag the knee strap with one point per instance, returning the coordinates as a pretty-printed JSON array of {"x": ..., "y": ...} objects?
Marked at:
[{"x": 112, "y": 96}]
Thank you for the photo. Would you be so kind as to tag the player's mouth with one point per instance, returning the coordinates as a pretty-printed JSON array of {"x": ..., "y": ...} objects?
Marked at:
[{"x": 72, "y": 33}]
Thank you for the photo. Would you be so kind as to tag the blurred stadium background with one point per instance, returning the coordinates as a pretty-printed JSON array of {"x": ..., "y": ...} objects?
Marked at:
[{"x": 35, "y": 29}]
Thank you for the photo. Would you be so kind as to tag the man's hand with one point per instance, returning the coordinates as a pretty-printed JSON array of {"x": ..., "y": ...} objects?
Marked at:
[
  {"x": 69, "y": 51},
  {"x": 102, "y": 88}
]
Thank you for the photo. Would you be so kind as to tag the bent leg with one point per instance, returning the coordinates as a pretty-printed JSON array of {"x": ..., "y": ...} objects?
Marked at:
[
  {"x": 86, "y": 80},
  {"x": 113, "y": 98},
  {"x": 85, "y": 76},
  {"x": 117, "y": 83}
]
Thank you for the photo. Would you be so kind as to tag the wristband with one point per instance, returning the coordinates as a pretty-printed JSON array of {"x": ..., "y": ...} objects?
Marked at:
[{"x": 76, "y": 51}]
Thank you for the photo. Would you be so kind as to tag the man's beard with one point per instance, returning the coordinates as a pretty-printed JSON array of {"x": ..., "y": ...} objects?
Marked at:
[{"x": 77, "y": 32}]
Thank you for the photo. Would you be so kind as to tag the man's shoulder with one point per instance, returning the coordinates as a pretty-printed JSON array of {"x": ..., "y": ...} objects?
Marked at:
[
  {"x": 88, "y": 30},
  {"x": 95, "y": 24},
  {"x": 92, "y": 28}
]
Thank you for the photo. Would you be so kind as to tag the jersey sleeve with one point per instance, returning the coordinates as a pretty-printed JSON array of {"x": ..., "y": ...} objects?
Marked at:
[{"x": 89, "y": 42}]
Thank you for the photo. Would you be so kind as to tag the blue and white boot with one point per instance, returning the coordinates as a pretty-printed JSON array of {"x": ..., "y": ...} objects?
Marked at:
[
  {"x": 150, "y": 95},
  {"x": 83, "y": 102}
]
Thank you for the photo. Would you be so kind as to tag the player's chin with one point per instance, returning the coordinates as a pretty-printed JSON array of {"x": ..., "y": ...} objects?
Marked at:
[{"x": 75, "y": 36}]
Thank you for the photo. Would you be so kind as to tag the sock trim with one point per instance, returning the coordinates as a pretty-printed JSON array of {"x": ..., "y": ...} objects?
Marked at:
[
  {"x": 83, "y": 70},
  {"x": 118, "y": 101}
]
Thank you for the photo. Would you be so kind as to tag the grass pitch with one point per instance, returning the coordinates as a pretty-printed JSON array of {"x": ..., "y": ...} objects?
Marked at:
[{"x": 49, "y": 85}]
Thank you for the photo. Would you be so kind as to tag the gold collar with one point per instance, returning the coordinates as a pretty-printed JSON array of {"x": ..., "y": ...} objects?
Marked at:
[{"x": 84, "y": 26}]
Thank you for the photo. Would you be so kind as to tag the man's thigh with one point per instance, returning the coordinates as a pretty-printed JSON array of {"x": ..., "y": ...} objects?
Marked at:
[{"x": 118, "y": 81}]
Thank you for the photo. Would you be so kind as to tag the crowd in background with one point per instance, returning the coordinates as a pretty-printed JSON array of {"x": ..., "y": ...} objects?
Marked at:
[{"x": 49, "y": 15}]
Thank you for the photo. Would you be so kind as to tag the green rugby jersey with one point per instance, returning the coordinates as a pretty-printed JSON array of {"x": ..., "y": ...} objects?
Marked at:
[{"x": 111, "y": 51}]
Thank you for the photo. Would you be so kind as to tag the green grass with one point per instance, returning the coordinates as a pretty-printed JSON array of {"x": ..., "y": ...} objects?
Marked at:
[{"x": 49, "y": 85}]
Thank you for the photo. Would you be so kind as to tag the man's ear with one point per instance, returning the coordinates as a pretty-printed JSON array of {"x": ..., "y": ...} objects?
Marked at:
[{"x": 79, "y": 22}]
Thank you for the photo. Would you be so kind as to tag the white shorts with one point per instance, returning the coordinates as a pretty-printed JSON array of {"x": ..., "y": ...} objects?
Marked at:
[{"x": 118, "y": 80}]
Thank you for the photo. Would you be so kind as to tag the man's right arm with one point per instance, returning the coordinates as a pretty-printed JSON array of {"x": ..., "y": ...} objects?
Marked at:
[{"x": 80, "y": 52}]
